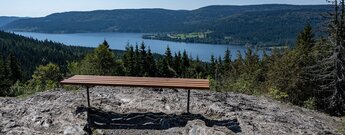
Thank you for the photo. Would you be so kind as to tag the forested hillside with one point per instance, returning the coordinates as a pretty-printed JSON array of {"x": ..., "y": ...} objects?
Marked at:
[
  {"x": 256, "y": 24},
  {"x": 31, "y": 52},
  {"x": 5, "y": 20}
]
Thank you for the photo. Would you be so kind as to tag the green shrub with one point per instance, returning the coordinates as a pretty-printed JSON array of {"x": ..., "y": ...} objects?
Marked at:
[
  {"x": 310, "y": 103},
  {"x": 275, "y": 93},
  {"x": 17, "y": 89}
]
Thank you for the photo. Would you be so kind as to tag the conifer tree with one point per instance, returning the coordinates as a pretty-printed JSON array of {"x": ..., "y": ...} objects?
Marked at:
[
  {"x": 144, "y": 67},
  {"x": 185, "y": 64},
  {"x": 329, "y": 72},
  {"x": 99, "y": 62},
  {"x": 104, "y": 59},
  {"x": 106, "y": 44},
  {"x": 168, "y": 57},
  {"x": 137, "y": 66},
  {"x": 227, "y": 60},
  {"x": 5, "y": 82},
  {"x": 151, "y": 63},
  {"x": 251, "y": 61},
  {"x": 126, "y": 59},
  {"x": 198, "y": 68},
  {"x": 220, "y": 61},
  {"x": 238, "y": 64},
  {"x": 212, "y": 66},
  {"x": 129, "y": 60},
  {"x": 15, "y": 71},
  {"x": 164, "y": 69},
  {"x": 177, "y": 63}
]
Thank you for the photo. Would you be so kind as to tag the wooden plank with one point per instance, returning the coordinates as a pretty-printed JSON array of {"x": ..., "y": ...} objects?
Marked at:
[
  {"x": 155, "y": 82},
  {"x": 139, "y": 85},
  {"x": 78, "y": 77}
]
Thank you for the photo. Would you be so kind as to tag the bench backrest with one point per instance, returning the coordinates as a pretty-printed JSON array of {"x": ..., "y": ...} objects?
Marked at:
[{"x": 155, "y": 82}]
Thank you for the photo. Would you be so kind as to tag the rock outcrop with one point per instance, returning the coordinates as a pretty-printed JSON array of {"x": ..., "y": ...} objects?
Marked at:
[{"x": 61, "y": 112}]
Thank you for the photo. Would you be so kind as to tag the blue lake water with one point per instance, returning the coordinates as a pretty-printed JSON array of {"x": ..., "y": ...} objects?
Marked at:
[{"x": 119, "y": 41}]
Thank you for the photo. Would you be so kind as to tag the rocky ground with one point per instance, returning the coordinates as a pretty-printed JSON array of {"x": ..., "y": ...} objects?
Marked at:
[{"x": 61, "y": 112}]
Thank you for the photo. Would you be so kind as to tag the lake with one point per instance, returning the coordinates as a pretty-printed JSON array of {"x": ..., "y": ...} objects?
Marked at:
[{"x": 119, "y": 41}]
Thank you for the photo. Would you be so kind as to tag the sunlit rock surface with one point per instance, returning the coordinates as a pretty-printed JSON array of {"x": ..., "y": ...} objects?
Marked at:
[{"x": 59, "y": 112}]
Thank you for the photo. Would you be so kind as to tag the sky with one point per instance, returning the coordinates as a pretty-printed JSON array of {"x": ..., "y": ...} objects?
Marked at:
[{"x": 39, "y": 8}]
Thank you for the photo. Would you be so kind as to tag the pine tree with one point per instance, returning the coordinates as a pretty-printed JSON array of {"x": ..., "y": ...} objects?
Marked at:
[
  {"x": 99, "y": 62},
  {"x": 212, "y": 67},
  {"x": 305, "y": 40},
  {"x": 177, "y": 63},
  {"x": 104, "y": 59},
  {"x": 168, "y": 57},
  {"x": 151, "y": 63},
  {"x": 220, "y": 61},
  {"x": 330, "y": 71},
  {"x": 185, "y": 64},
  {"x": 106, "y": 44},
  {"x": 198, "y": 69},
  {"x": 126, "y": 59},
  {"x": 5, "y": 82},
  {"x": 15, "y": 71},
  {"x": 251, "y": 61},
  {"x": 179, "y": 56},
  {"x": 136, "y": 67},
  {"x": 227, "y": 60},
  {"x": 164, "y": 69},
  {"x": 129, "y": 61},
  {"x": 144, "y": 67}
]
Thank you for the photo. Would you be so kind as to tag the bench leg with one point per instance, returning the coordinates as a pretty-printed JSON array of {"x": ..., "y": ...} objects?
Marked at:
[
  {"x": 88, "y": 126},
  {"x": 188, "y": 101},
  {"x": 88, "y": 96}
]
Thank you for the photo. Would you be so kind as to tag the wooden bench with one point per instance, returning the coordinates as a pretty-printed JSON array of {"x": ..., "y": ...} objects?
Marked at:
[{"x": 151, "y": 82}]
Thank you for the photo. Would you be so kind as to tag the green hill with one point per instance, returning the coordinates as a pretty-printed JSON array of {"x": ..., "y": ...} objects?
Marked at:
[
  {"x": 31, "y": 52},
  {"x": 274, "y": 24},
  {"x": 5, "y": 20}
]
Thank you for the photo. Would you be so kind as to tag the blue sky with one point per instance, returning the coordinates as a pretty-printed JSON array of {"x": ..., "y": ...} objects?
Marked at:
[{"x": 37, "y": 8}]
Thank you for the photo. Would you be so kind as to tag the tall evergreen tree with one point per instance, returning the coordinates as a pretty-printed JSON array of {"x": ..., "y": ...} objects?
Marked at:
[
  {"x": 151, "y": 63},
  {"x": 5, "y": 82},
  {"x": 198, "y": 68},
  {"x": 126, "y": 59},
  {"x": 164, "y": 69},
  {"x": 220, "y": 61},
  {"x": 185, "y": 64},
  {"x": 99, "y": 62},
  {"x": 15, "y": 70},
  {"x": 129, "y": 60},
  {"x": 305, "y": 40},
  {"x": 212, "y": 66},
  {"x": 106, "y": 44},
  {"x": 227, "y": 60},
  {"x": 178, "y": 63},
  {"x": 104, "y": 59},
  {"x": 144, "y": 67},
  {"x": 168, "y": 57},
  {"x": 330, "y": 71},
  {"x": 137, "y": 66}
]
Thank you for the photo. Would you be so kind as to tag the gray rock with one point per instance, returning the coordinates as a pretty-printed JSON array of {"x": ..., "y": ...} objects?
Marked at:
[
  {"x": 61, "y": 112},
  {"x": 72, "y": 130}
]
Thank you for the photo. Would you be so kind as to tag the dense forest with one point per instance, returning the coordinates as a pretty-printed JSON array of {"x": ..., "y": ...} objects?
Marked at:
[
  {"x": 255, "y": 24},
  {"x": 311, "y": 74},
  {"x": 31, "y": 52}
]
